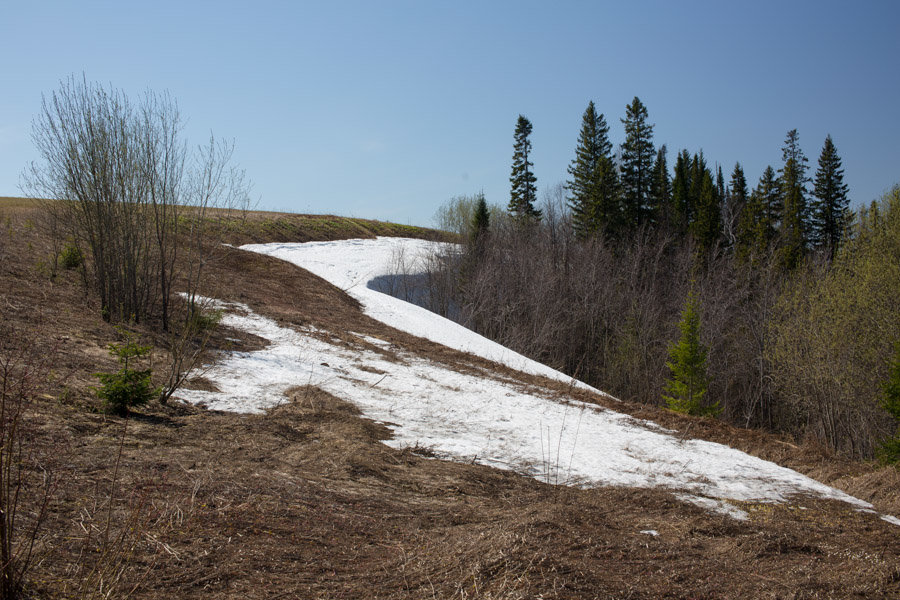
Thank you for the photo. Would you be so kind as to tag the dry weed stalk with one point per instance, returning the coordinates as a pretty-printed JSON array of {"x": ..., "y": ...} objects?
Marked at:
[{"x": 108, "y": 546}]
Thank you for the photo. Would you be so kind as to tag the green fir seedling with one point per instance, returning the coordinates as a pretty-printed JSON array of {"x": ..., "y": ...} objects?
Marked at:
[
  {"x": 127, "y": 387},
  {"x": 686, "y": 389},
  {"x": 71, "y": 257}
]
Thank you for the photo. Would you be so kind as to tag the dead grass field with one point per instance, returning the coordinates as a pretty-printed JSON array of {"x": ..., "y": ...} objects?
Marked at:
[{"x": 306, "y": 502}]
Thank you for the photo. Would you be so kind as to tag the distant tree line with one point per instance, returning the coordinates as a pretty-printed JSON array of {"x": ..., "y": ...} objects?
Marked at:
[
  {"x": 773, "y": 307},
  {"x": 615, "y": 194}
]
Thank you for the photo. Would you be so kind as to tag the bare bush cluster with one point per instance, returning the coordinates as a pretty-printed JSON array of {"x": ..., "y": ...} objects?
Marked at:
[
  {"x": 125, "y": 194},
  {"x": 129, "y": 194}
]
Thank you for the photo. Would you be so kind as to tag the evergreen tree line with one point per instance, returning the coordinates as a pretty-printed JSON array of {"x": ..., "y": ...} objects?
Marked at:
[
  {"x": 771, "y": 308},
  {"x": 615, "y": 194}
]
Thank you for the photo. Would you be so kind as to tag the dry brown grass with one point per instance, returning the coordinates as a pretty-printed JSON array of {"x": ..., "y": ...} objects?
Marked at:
[
  {"x": 11, "y": 203},
  {"x": 306, "y": 502}
]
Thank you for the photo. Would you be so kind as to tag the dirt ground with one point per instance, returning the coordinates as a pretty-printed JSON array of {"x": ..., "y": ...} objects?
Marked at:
[{"x": 306, "y": 502}]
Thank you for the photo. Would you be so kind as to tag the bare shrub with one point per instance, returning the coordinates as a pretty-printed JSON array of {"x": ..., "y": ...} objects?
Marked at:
[
  {"x": 186, "y": 343},
  {"x": 25, "y": 482},
  {"x": 126, "y": 189}
]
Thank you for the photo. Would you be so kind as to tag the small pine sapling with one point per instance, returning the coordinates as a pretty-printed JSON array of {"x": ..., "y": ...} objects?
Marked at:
[
  {"x": 71, "y": 257},
  {"x": 686, "y": 389},
  {"x": 127, "y": 387}
]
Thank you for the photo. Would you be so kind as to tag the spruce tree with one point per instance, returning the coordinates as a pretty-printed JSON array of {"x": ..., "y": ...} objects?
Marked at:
[
  {"x": 721, "y": 190},
  {"x": 769, "y": 190},
  {"x": 831, "y": 206},
  {"x": 750, "y": 236},
  {"x": 698, "y": 172},
  {"x": 524, "y": 191},
  {"x": 681, "y": 193},
  {"x": 706, "y": 226},
  {"x": 661, "y": 190},
  {"x": 481, "y": 219},
  {"x": 795, "y": 215},
  {"x": 686, "y": 390},
  {"x": 733, "y": 205},
  {"x": 738, "y": 185},
  {"x": 128, "y": 387},
  {"x": 758, "y": 222},
  {"x": 594, "y": 184},
  {"x": 637, "y": 164},
  {"x": 696, "y": 200}
]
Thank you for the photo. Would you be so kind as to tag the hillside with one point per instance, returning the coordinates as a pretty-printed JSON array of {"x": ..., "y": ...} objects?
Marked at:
[{"x": 305, "y": 499}]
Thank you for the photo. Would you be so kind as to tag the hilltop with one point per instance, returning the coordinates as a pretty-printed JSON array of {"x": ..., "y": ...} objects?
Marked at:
[{"x": 305, "y": 499}]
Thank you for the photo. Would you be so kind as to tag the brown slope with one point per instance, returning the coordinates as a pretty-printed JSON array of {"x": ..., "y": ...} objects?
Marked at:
[{"x": 306, "y": 502}]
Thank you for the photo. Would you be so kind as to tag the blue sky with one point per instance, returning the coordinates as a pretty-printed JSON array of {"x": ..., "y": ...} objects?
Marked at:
[{"x": 387, "y": 109}]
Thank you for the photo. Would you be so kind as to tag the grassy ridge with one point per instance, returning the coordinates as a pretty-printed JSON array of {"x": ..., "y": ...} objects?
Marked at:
[
  {"x": 12, "y": 203},
  {"x": 262, "y": 227},
  {"x": 258, "y": 227}
]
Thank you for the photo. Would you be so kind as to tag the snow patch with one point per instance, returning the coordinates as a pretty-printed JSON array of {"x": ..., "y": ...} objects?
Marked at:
[
  {"x": 714, "y": 505},
  {"x": 891, "y": 519}
]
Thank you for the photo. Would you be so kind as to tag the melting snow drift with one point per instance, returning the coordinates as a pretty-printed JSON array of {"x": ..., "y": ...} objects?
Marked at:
[{"x": 475, "y": 417}]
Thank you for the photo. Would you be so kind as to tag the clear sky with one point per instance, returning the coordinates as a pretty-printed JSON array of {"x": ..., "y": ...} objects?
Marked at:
[{"x": 385, "y": 109}]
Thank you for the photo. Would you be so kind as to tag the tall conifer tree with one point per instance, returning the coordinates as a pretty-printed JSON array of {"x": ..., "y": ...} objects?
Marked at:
[
  {"x": 594, "y": 184},
  {"x": 481, "y": 219},
  {"x": 523, "y": 194},
  {"x": 681, "y": 192},
  {"x": 721, "y": 190},
  {"x": 706, "y": 226},
  {"x": 769, "y": 190},
  {"x": 750, "y": 235},
  {"x": 795, "y": 215},
  {"x": 661, "y": 190},
  {"x": 759, "y": 220},
  {"x": 830, "y": 208},
  {"x": 698, "y": 170},
  {"x": 637, "y": 164},
  {"x": 738, "y": 185}
]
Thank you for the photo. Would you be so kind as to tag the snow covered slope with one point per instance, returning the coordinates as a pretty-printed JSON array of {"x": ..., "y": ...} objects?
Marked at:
[
  {"x": 475, "y": 417},
  {"x": 351, "y": 264}
]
